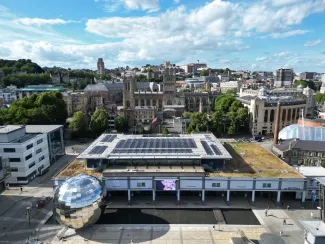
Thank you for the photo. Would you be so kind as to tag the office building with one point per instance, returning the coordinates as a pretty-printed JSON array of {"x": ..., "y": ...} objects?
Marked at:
[
  {"x": 37, "y": 89},
  {"x": 284, "y": 78}
]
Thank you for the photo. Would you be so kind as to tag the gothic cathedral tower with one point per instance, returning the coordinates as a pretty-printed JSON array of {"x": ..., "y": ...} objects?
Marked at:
[
  {"x": 129, "y": 86},
  {"x": 169, "y": 88}
]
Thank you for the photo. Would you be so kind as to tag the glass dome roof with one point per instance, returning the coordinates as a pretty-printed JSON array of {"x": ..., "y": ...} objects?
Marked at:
[{"x": 303, "y": 132}]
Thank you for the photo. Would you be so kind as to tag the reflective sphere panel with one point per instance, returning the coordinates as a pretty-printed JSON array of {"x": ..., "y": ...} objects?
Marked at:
[{"x": 77, "y": 202}]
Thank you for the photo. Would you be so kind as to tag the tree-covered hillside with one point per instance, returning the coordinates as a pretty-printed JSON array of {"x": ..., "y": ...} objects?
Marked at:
[{"x": 22, "y": 65}]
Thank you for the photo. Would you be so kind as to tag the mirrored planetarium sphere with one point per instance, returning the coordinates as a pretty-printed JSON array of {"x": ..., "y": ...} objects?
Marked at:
[{"x": 77, "y": 202}]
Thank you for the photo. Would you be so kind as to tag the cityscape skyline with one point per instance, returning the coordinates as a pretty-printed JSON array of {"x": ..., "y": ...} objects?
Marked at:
[{"x": 261, "y": 35}]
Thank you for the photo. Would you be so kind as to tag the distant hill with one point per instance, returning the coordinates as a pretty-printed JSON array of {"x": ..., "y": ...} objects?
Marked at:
[{"x": 19, "y": 66}]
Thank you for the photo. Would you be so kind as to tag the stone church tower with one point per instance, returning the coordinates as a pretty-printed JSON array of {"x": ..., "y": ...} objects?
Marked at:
[
  {"x": 129, "y": 86},
  {"x": 169, "y": 83}
]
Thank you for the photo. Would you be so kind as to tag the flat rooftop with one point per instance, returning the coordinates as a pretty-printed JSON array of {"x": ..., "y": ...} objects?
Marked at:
[
  {"x": 10, "y": 128},
  {"x": 311, "y": 171},
  {"x": 42, "y": 128},
  {"x": 252, "y": 160},
  {"x": 120, "y": 146},
  {"x": 76, "y": 167}
]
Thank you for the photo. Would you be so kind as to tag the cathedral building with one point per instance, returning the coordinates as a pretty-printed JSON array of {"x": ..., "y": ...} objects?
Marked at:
[{"x": 144, "y": 101}]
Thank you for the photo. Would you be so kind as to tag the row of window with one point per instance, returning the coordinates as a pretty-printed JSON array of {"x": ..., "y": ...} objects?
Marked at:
[
  {"x": 15, "y": 169},
  {"x": 13, "y": 150}
]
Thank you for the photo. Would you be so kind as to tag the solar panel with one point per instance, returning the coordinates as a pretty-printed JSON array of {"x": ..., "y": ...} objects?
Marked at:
[
  {"x": 152, "y": 151},
  {"x": 97, "y": 150},
  {"x": 215, "y": 149},
  {"x": 157, "y": 143},
  {"x": 108, "y": 138},
  {"x": 207, "y": 148}
]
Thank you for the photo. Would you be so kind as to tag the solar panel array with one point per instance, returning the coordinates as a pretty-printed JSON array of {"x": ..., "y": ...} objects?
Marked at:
[
  {"x": 152, "y": 151},
  {"x": 162, "y": 143},
  {"x": 97, "y": 150},
  {"x": 108, "y": 138},
  {"x": 215, "y": 149},
  {"x": 207, "y": 148}
]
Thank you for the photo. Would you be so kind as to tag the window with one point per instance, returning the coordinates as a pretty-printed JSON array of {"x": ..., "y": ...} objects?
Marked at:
[
  {"x": 31, "y": 165},
  {"x": 28, "y": 157},
  {"x": 14, "y": 160},
  {"x": 9, "y": 150},
  {"x": 21, "y": 178},
  {"x": 14, "y": 169},
  {"x": 39, "y": 141},
  {"x": 41, "y": 159},
  {"x": 141, "y": 184},
  {"x": 38, "y": 150},
  {"x": 29, "y": 146},
  {"x": 266, "y": 185},
  {"x": 215, "y": 184}
]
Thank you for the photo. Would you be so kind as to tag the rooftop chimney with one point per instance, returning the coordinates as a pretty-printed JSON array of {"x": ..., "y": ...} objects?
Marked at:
[{"x": 277, "y": 122}]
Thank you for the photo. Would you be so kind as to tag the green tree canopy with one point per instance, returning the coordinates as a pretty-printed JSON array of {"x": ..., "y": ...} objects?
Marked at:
[
  {"x": 141, "y": 130},
  {"x": 310, "y": 84},
  {"x": 165, "y": 131},
  {"x": 78, "y": 126},
  {"x": 121, "y": 124},
  {"x": 204, "y": 72},
  {"x": 320, "y": 98},
  {"x": 98, "y": 122},
  {"x": 45, "y": 108}
]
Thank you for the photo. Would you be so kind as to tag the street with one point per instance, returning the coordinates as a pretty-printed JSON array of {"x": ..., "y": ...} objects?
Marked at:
[{"x": 14, "y": 223}]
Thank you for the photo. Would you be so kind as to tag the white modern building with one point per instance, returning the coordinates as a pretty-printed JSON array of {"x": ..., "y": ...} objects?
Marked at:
[
  {"x": 28, "y": 154},
  {"x": 30, "y": 149}
]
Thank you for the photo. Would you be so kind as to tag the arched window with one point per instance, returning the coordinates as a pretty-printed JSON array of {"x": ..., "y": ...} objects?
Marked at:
[
  {"x": 128, "y": 104},
  {"x": 169, "y": 102},
  {"x": 179, "y": 103},
  {"x": 272, "y": 116},
  {"x": 154, "y": 102},
  {"x": 136, "y": 102},
  {"x": 148, "y": 102},
  {"x": 266, "y": 115},
  {"x": 283, "y": 115},
  {"x": 142, "y": 102},
  {"x": 289, "y": 114}
]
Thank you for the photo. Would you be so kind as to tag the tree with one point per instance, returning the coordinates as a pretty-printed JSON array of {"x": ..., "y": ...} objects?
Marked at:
[
  {"x": 309, "y": 83},
  {"x": 121, "y": 124},
  {"x": 45, "y": 108},
  {"x": 141, "y": 130},
  {"x": 78, "y": 125},
  {"x": 98, "y": 122},
  {"x": 204, "y": 72},
  {"x": 320, "y": 98},
  {"x": 187, "y": 115},
  {"x": 165, "y": 131}
]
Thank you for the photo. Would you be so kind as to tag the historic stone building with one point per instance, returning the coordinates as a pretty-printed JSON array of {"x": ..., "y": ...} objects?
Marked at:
[{"x": 163, "y": 99}]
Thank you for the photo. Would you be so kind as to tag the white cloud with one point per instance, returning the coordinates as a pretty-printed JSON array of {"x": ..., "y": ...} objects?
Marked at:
[
  {"x": 177, "y": 1},
  {"x": 144, "y": 5},
  {"x": 261, "y": 59},
  {"x": 278, "y": 3},
  {"x": 262, "y": 17},
  {"x": 41, "y": 22},
  {"x": 314, "y": 43},
  {"x": 288, "y": 33}
]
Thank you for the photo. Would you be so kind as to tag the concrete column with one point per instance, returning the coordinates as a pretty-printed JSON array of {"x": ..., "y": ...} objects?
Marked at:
[
  {"x": 278, "y": 199},
  {"x": 129, "y": 196},
  {"x": 228, "y": 195},
  {"x": 203, "y": 195},
  {"x": 303, "y": 196},
  {"x": 253, "y": 196},
  {"x": 153, "y": 195},
  {"x": 178, "y": 195}
]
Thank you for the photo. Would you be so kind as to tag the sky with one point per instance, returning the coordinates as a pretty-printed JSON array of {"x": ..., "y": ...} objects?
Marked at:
[{"x": 241, "y": 35}]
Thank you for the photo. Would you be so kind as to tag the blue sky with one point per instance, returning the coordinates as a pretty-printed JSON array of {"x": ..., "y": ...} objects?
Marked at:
[{"x": 246, "y": 35}]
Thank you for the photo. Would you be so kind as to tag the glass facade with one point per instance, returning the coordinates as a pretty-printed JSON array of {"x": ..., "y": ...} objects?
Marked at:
[
  {"x": 56, "y": 144},
  {"x": 303, "y": 132}
]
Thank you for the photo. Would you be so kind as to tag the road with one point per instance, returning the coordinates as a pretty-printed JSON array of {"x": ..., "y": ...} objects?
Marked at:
[{"x": 14, "y": 224}]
